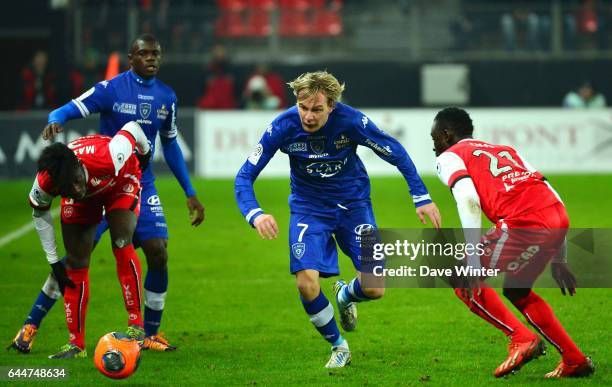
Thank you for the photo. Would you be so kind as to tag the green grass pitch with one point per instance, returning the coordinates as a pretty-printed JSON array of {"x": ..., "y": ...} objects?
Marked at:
[{"x": 233, "y": 309}]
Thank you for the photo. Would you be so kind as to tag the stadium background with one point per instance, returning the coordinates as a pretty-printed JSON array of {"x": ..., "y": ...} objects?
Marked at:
[{"x": 231, "y": 307}]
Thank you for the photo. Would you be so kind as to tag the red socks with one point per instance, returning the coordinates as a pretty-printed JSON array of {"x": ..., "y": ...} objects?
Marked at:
[
  {"x": 75, "y": 305},
  {"x": 542, "y": 317},
  {"x": 489, "y": 306},
  {"x": 130, "y": 278}
]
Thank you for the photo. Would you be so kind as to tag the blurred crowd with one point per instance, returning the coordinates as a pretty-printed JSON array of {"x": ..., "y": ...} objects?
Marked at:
[
  {"x": 584, "y": 24},
  {"x": 263, "y": 89},
  {"x": 205, "y": 30}
]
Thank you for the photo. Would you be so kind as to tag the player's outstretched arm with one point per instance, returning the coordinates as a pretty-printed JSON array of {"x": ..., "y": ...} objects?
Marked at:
[
  {"x": 46, "y": 232},
  {"x": 266, "y": 226},
  {"x": 175, "y": 160},
  {"x": 431, "y": 211}
]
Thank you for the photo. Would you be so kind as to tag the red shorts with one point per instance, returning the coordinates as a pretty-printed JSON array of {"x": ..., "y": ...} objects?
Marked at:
[
  {"x": 124, "y": 194},
  {"x": 522, "y": 247}
]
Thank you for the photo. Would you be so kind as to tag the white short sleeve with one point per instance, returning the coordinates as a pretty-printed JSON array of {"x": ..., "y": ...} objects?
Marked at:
[{"x": 447, "y": 165}]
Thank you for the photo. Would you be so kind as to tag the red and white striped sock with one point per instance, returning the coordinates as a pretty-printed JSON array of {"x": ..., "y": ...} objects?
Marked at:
[
  {"x": 541, "y": 316},
  {"x": 75, "y": 305},
  {"x": 130, "y": 278},
  {"x": 489, "y": 306}
]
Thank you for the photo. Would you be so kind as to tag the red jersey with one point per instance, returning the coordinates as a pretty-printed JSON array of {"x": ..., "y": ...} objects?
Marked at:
[
  {"x": 506, "y": 184},
  {"x": 103, "y": 162}
]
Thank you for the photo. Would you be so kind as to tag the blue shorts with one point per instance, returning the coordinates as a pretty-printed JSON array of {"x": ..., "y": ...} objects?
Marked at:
[
  {"x": 151, "y": 221},
  {"x": 313, "y": 237}
]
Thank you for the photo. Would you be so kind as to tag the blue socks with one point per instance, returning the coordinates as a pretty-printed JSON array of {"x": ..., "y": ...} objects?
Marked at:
[
  {"x": 41, "y": 307},
  {"x": 352, "y": 292},
  {"x": 155, "y": 286},
  {"x": 321, "y": 314}
]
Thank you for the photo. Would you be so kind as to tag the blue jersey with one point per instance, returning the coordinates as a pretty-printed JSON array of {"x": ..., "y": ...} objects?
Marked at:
[
  {"x": 128, "y": 97},
  {"x": 325, "y": 169}
]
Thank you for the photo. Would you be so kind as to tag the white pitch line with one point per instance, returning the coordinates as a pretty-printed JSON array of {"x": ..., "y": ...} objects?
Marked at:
[{"x": 21, "y": 231}]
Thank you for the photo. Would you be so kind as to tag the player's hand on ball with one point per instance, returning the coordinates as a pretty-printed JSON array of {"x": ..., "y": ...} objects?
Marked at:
[
  {"x": 59, "y": 272},
  {"x": 196, "y": 210},
  {"x": 266, "y": 226},
  {"x": 51, "y": 130},
  {"x": 564, "y": 277},
  {"x": 432, "y": 212}
]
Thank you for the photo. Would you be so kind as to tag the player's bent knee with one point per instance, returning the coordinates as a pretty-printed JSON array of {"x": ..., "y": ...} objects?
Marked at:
[
  {"x": 77, "y": 262},
  {"x": 374, "y": 293},
  {"x": 515, "y": 294},
  {"x": 308, "y": 287},
  {"x": 121, "y": 242},
  {"x": 157, "y": 255}
]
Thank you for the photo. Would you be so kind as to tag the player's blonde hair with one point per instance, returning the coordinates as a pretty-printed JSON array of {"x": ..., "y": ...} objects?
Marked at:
[{"x": 309, "y": 84}]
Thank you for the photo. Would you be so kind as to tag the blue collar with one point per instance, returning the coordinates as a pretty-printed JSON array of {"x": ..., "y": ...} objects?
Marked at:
[{"x": 142, "y": 81}]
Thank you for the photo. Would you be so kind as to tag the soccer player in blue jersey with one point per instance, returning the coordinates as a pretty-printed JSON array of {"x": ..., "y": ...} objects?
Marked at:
[
  {"x": 330, "y": 197},
  {"x": 135, "y": 95}
]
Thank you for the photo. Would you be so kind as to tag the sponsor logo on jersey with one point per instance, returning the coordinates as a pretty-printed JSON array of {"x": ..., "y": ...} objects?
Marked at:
[
  {"x": 342, "y": 142},
  {"x": 144, "y": 109},
  {"x": 153, "y": 200},
  {"x": 318, "y": 156},
  {"x": 95, "y": 181},
  {"x": 364, "y": 229},
  {"x": 296, "y": 147},
  {"x": 385, "y": 150},
  {"x": 298, "y": 248},
  {"x": 146, "y": 97},
  {"x": 104, "y": 83},
  {"x": 128, "y": 188},
  {"x": 254, "y": 157},
  {"x": 123, "y": 107},
  {"x": 269, "y": 129},
  {"x": 162, "y": 113},
  {"x": 325, "y": 168}
]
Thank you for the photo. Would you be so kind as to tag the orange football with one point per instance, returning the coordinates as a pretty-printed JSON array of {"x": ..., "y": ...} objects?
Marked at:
[{"x": 117, "y": 355}]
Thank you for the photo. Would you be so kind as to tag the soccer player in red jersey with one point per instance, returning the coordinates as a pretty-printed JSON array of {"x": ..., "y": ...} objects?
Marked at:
[
  {"x": 530, "y": 227},
  {"x": 91, "y": 174}
]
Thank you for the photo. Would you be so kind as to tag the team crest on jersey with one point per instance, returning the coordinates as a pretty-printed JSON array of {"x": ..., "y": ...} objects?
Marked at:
[
  {"x": 144, "y": 109},
  {"x": 317, "y": 146},
  {"x": 128, "y": 188},
  {"x": 68, "y": 211},
  {"x": 298, "y": 249}
]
